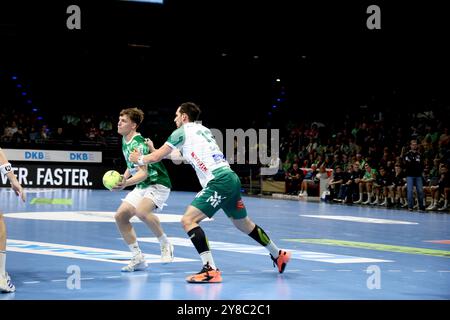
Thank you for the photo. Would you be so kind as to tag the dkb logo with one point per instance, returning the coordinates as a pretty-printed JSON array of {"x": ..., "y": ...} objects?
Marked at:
[{"x": 34, "y": 155}]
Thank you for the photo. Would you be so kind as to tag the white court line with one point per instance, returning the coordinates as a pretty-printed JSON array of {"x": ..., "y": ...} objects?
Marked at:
[
  {"x": 259, "y": 250},
  {"x": 343, "y": 270},
  {"x": 31, "y": 282},
  {"x": 359, "y": 219},
  {"x": 79, "y": 252},
  {"x": 419, "y": 270},
  {"x": 59, "y": 280}
]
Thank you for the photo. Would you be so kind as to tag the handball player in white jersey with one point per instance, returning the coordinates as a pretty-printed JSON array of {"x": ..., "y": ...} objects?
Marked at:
[{"x": 221, "y": 190}]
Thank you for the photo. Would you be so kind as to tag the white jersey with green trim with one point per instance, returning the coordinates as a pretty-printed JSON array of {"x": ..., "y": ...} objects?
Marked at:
[{"x": 198, "y": 146}]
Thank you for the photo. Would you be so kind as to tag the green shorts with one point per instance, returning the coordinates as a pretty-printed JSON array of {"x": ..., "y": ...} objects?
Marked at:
[{"x": 222, "y": 192}]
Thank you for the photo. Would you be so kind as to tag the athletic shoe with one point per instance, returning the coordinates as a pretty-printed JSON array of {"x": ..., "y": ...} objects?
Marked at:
[
  {"x": 166, "y": 253},
  {"x": 443, "y": 208},
  {"x": 6, "y": 285},
  {"x": 137, "y": 263},
  {"x": 206, "y": 275},
  {"x": 281, "y": 261}
]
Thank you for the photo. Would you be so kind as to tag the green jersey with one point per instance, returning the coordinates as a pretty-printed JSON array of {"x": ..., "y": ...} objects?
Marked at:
[{"x": 157, "y": 173}]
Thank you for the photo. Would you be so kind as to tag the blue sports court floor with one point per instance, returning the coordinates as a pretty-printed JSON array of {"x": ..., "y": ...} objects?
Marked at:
[{"x": 63, "y": 244}]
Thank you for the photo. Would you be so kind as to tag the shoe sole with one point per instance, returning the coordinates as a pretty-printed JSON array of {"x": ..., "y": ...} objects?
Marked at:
[
  {"x": 137, "y": 268},
  {"x": 283, "y": 265},
  {"x": 210, "y": 281}
]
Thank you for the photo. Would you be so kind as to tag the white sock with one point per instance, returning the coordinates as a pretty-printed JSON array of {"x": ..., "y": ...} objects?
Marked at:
[
  {"x": 163, "y": 239},
  {"x": 134, "y": 247},
  {"x": 273, "y": 249},
  {"x": 2, "y": 262},
  {"x": 207, "y": 258}
]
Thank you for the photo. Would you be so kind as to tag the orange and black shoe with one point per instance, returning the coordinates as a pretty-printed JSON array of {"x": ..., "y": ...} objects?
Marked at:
[
  {"x": 282, "y": 260},
  {"x": 206, "y": 275}
]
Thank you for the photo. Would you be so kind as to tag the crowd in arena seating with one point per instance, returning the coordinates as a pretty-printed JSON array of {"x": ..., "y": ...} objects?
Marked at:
[
  {"x": 367, "y": 161},
  {"x": 371, "y": 162},
  {"x": 28, "y": 129}
]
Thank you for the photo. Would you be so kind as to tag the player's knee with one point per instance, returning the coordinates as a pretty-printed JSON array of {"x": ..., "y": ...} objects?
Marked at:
[
  {"x": 186, "y": 222},
  {"x": 121, "y": 216},
  {"x": 142, "y": 214}
]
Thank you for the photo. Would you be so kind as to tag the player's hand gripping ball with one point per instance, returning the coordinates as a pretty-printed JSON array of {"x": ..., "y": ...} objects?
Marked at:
[{"x": 111, "y": 179}]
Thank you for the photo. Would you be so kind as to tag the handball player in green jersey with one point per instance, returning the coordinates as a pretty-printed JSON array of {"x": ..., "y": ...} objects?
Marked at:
[{"x": 152, "y": 190}]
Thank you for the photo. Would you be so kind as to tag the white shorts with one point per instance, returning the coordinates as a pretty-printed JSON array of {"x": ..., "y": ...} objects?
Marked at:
[{"x": 156, "y": 192}]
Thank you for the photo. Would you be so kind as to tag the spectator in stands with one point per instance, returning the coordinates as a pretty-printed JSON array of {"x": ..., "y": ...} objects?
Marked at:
[
  {"x": 106, "y": 125},
  {"x": 43, "y": 133},
  {"x": 444, "y": 139},
  {"x": 294, "y": 178},
  {"x": 345, "y": 162},
  {"x": 440, "y": 189},
  {"x": 33, "y": 134},
  {"x": 59, "y": 135},
  {"x": 275, "y": 166},
  {"x": 414, "y": 170},
  {"x": 9, "y": 131},
  {"x": 398, "y": 187},
  {"x": 338, "y": 179},
  {"x": 19, "y": 137},
  {"x": 366, "y": 183},
  {"x": 309, "y": 179},
  {"x": 381, "y": 187},
  {"x": 350, "y": 187},
  {"x": 322, "y": 181}
]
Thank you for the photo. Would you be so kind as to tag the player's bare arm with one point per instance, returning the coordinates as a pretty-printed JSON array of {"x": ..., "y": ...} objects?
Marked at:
[
  {"x": 6, "y": 169},
  {"x": 140, "y": 176},
  {"x": 156, "y": 156},
  {"x": 174, "y": 155}
]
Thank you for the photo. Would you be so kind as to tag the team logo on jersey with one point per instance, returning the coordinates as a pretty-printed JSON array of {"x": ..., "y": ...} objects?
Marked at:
[
  {"x": 201, "y": 193},
  {"x": 218, "y": 157},
  {"x": 215, "y": 200},
  {"x": 240, "y": 204}
]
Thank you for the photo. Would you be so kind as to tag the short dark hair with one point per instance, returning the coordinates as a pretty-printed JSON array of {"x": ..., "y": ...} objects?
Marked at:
[
  {"x": 136, "y": 115},
  {"x": 191, "y": 109}
]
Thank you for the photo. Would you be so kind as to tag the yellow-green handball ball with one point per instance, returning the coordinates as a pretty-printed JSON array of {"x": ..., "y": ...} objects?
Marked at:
[{"x": 111, "y": 178}]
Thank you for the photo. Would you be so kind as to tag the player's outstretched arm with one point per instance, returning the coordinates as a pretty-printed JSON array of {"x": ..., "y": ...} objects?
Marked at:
[
  {"x": 174, "y": 155},
  {"x": 6, "y": 169},
  {"x": 155, "y": 156}
]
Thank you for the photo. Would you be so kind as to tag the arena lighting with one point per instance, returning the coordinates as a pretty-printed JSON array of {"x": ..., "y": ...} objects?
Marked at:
[
  {"x": 14, "y": 77},
  {"x": 24, "y": 93},
  {"x": 19, "y": 86},
  {"x": 35, "y": 110},
  {"x": 278, "y": 80}
]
